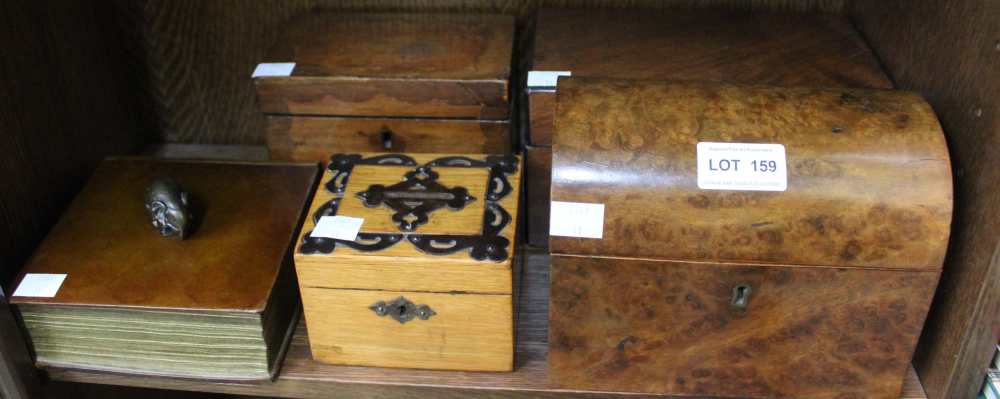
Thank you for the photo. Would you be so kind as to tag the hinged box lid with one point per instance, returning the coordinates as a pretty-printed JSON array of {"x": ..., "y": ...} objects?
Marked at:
[
  {"x": 245, "y": 215},
  {"x": 430, "y": 222},
  {"x": 751, "y": 174},
  {"x": 436, "y": 65}
]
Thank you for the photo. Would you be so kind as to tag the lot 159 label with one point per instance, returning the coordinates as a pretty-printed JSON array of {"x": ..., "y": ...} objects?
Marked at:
[{"x": 742, "y": 166}]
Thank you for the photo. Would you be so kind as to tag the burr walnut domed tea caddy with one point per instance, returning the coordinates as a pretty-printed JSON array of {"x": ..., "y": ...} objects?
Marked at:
[{"x": 806, "y": 273}]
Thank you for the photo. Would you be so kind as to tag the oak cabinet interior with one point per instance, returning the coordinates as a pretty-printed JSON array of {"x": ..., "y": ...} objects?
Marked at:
[{"x": 148, "y": 82}]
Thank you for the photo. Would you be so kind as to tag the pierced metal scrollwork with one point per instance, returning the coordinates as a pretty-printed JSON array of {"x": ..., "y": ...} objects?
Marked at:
[
  {"x": 415, "y": 197},
  {"x": 343, "y": 164},
  {"x": 329, "y": 208},
  {"x": 490, "y": 245},
  {"x": 493, "y": 248},
  {"x": 413, "y": 200},
  {"x": 326, "y": 245},
  {"x": 402, "y": 310},
  {"x": 365, "y": 242},
  {"x": 500, "y": 166}
]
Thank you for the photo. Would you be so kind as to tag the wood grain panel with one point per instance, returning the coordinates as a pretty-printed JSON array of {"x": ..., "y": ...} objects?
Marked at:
[
  {"x": 56, "y": 122},
  {"x": 869, "y": 178},
  {"x": 468, "y": 332},
  {"x": 60, "y": 389},
  {"x": 782, "y": 49},
  {"x": 423, "y": 98},
  {"x": 949, "y": 52},
  {"x": 314, "y": 139},
  {"x": 196, "y": 59},
  {"x": 537, "y": 179},
  {"x": 468, "y": 47},
  {"x": 670, "y": 327},
  {"x": 542, "y": 116}
]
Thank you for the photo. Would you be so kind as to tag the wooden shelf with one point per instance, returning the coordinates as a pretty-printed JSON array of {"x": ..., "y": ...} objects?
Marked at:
[{"x": 301, "y": 377}]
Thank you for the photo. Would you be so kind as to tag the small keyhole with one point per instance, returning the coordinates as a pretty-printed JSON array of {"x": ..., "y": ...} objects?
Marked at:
[
  {"x": 741, "y": 296},
  {"x": 386, "y": 136},
  {"x": 402, "y": 310}
]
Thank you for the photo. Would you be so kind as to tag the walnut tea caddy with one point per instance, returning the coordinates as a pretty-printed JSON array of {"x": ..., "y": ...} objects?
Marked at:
[
  {"x": 428, "y": 282},
  {"x": 816, "y": 290}
]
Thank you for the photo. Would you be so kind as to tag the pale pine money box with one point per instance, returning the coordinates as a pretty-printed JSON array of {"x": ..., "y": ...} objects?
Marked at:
[{"x": 427, "y": 279}]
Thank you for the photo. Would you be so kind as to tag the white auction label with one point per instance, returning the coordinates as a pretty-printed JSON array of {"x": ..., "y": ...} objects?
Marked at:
[
  {"x": 338, "y": 227},
  {"x": 576, "y": 219},
  {"x": 742, "y": 166},
  {"x": 40, "y": 285},
  {"x": 545, "y": 79},
  {"x": 269, "y": 69}
]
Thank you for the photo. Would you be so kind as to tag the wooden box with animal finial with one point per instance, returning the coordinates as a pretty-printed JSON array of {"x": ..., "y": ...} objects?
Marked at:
[{"x": 406, "y": 260}]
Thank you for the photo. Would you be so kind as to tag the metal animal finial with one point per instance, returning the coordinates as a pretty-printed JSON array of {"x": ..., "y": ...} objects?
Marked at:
[{"x": 169, "y": 208}]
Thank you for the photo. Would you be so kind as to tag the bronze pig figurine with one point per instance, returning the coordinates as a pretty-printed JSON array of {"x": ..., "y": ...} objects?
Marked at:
[{"x": 169, "y": 208}]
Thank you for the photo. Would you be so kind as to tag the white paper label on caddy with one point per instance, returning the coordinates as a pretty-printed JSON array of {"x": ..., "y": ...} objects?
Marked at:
[
  {"x": 742, "y": 166},
  {"x": 338, "y": 227},
  {"x": 545, "y": 79},
  {"x": 576, "y": 219},
  {"x": 40, "y": 285},
  {"x": 268, "y": 69}
]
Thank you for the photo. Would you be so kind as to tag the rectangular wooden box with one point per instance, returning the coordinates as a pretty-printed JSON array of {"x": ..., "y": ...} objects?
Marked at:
[
  {"x": 428, "y": 282},
  {"x": 367, "y": 82},
  {"x": 819, "y": 290},
  {"x": 715, "y": 46}
]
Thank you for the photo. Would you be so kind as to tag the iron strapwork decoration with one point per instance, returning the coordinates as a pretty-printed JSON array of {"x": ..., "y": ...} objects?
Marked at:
[
  {"x": 414, "y": 199},
  {"x": 364, "y": 242}
]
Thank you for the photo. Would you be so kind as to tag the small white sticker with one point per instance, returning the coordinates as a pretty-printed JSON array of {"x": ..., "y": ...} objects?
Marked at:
[
  {"x": 545, "y": 79},
  {"x": 338, "y": 227},
  {"x": 273, "y": 69},
  {"x": 40, "y": 285},
  {"x": 742, "y": 166},
  {"x": 576, "y": 219}
]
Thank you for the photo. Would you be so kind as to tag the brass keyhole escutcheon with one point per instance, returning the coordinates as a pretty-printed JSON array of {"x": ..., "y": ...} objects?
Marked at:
[
  {"x": 402, "y": 310},
  {"x": 741, "y": 296}
]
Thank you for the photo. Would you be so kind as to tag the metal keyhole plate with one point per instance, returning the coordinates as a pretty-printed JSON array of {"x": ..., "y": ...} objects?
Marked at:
[{"x": 741, "y": 296}]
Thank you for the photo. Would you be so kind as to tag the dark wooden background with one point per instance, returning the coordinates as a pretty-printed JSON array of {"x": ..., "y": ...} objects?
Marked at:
[
  {"x": 949, "y": 51},
  {"x": 65, "y": 104},
  {"x": 83, "y": 80}
]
